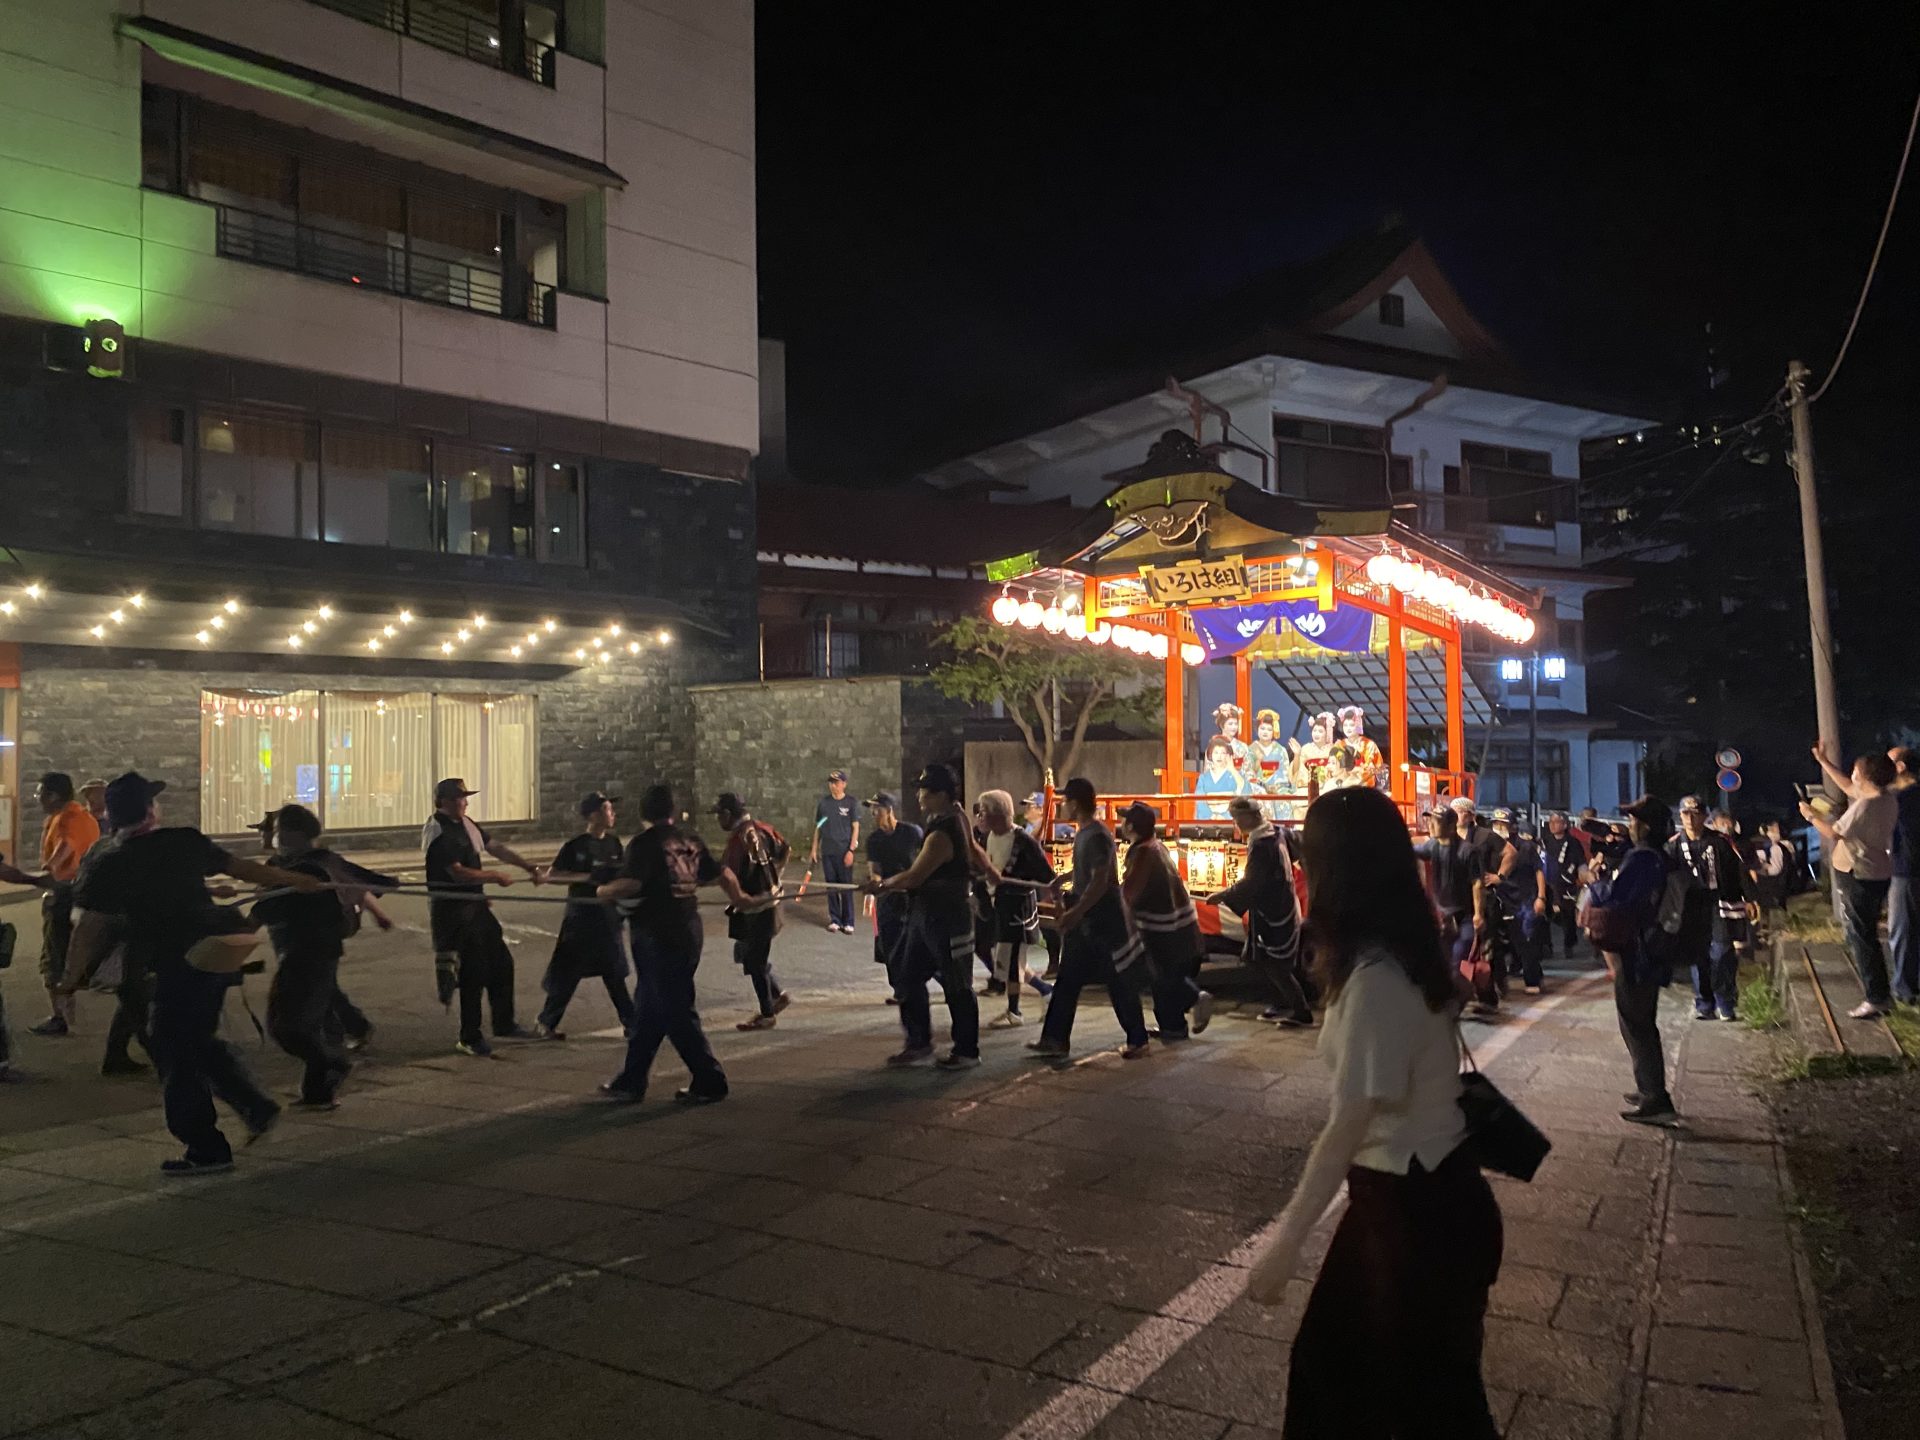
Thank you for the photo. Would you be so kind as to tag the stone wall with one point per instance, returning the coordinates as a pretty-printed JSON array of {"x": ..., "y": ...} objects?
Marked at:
[
  {"x": 597, "y": 729},
  {"x": 774, "y": 743},
  {"x": 1116, "y": 767}
]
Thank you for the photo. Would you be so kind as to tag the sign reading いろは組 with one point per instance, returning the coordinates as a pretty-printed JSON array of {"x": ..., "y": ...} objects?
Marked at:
[{"x": 1191, "y": 580}]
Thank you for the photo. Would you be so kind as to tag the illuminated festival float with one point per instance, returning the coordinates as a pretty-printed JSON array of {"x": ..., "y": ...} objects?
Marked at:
[{"x": 1358, "y": 618}]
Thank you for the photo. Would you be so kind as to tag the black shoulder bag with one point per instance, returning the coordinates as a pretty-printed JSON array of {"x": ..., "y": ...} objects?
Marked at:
[{"x": 1503, "y": 1139}]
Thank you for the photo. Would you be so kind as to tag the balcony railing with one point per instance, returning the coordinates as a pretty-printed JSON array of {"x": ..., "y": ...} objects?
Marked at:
[
  {"x": 375, "y": 265},
  {"x": 455, "y": 30}
]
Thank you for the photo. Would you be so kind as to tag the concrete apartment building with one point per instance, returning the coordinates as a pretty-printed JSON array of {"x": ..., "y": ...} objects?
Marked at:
[
  {"x": 1362, "y": 374},
  {"x": 377, "y": 397}
]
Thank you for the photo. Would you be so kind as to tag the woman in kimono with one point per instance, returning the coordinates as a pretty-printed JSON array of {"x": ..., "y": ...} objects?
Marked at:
[{"x": 1219, "y": 778}]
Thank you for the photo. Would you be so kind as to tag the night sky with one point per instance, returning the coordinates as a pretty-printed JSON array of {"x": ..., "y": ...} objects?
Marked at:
[{"x": 962, "y": 203}]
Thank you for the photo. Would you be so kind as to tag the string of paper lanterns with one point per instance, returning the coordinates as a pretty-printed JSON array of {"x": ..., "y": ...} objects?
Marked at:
[
  {"x": 1030, "y": 614},
  {"x": 1444, "y": 593}
]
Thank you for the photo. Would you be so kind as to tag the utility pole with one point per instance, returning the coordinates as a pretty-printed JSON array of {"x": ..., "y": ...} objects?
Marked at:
[
  {"x": 1533, "y": 740},
  {"x": 1826, "y": 698}
]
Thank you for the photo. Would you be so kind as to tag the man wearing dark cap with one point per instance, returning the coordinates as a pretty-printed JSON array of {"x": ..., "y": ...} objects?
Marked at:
[
  {"x": 466, "y": 938},
  {"x": 938, "y": 943},
  {"x": 154, "y": 881},
  {"x": 662, "y": 875},
  {"x": 66, "y": 835},
  {"x": 1716, "y": 912},
  {"x": 836, "y": 839},
  {"x": 1097, "y": 947},
  {"x": 755, "y": 853},
  {"x": 588, "y": 946},
  {"x": 892, "y": 844},
  {"x": 1642, "y": 967}
]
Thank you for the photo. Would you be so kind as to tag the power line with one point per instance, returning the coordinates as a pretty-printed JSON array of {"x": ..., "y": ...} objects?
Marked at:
[{"x": 1886, "y": 222}]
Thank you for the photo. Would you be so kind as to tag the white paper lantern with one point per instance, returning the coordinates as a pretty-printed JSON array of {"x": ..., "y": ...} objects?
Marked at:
[
  {"x": 1030, "y": 614},
  {"x": 1006, "y": 610}
]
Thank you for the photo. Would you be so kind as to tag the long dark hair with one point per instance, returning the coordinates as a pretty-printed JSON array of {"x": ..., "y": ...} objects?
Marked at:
[{"x": 1364, "y": 889}]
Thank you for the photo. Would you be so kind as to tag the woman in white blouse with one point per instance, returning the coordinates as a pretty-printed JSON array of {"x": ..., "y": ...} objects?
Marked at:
[{"x": 1391, "y": 1340}]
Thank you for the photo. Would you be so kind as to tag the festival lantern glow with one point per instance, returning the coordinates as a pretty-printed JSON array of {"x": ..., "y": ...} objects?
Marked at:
[
  {"x": 1031, "y": 614},
  {"x": 1006, "y": 610},
  {"x": 1053, "y": 620},
  {"x": 1191, "y": 654}
]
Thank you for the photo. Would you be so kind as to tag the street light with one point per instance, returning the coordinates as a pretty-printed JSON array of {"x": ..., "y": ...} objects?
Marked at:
[{"x": 1533, "y": 669}]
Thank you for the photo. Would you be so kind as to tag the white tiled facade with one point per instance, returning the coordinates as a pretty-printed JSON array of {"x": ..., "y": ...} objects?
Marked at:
[{"x": 671, "y": 347}]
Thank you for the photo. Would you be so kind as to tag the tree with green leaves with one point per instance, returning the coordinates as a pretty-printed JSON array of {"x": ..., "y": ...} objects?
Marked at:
[{"x": 1052, "y": 688}]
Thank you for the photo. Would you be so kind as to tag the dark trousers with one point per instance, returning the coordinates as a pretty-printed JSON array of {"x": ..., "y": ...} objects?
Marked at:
[
  {"x": 890, "y": 930},
  {"x": 1174, "y": 982},
  {"x": 754, "y": 954},
  {"x": 1280, "y": 970},
  {"x": 1406, "y": 1277},
  {"x": 835, "y": 870},
  {"x": 132, "y": 998},
  {"x": 1565, "y": 912},
  {"x": 1716, "y": 977},
  {"x": 196, "y": 1064},
  {"x": 931, "y": 950},
  {"x": 346, "y": 1020},
  {"x": 298, "y": 1004},
  {"x": 1861, "y": 902},
  {"x": 1051, "y": 938},
  {"x": 1638, "y": 1003},
  {"x": 486, "y": 969},
  {"x": 1903, "y": 930},
  {"x": 663, "y": 1010},
  {"x": 1083, "y": 962},
  {"x": 560, "y": 991},
  {"x": 56, "y": 934}
]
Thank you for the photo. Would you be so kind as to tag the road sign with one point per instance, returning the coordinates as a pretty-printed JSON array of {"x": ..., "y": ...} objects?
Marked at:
[
  {"x": 1728, "y": 759},
  {"x": 1728, "y": 780}
]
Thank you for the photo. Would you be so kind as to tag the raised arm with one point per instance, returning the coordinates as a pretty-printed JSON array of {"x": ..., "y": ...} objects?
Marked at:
[{"x": 1842, "y": 781}]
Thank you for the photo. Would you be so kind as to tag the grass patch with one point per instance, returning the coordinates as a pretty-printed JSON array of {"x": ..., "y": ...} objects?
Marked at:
[
  {"x": 1904, "y": 1022},
  {"x": 1810, "y": 919},
  {"x": 1762, "y": 1007},
  {"x": 1839, "y": 1067}
]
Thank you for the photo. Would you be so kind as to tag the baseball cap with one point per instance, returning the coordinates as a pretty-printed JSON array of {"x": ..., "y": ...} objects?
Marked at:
[
  {"x": 591, "y": 802},
  {"x": 938, "y": 778},
  {"x": 1659, "y": 819},
  {"x": 839, "y": 775},
  {"x": 885, "y": 800},
  {"x": 1692, "y": 804},
  {"x": 57, "y": 782},
  {"x": 1037, "y": 800},
  {"x": 130, "y": 797},
  {"x": 1461, "y": 804},
  {"x": 1141, "y": 818},
  {"x": 451, "y": 787},
  {"x": 728, "y": 803},
  {"x": 1503, "y": 816}
]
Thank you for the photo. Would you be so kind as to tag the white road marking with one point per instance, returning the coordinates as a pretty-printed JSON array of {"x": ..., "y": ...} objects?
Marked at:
[{"x": 1079, "y": 1408}]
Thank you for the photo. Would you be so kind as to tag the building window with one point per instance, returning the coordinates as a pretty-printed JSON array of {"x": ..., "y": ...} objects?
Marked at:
[
  {"x": 377, "y": 489},
  {"x": 1623, "y": 778},
  {"x": 268, "y": 475},
  {"x": 1334, "y": 463},
  {"x": 294, "y": 200},
  {"x": 160, "y": 462},
  {"x": 363, "y": 760},
  {"x": 476, "y": 29},
  {"x": 257, "y": 475},
  {"x": 1393, "y": 310},
  {"x": 1504, "y": 778},
  {"x": 1518, "y": 487}
]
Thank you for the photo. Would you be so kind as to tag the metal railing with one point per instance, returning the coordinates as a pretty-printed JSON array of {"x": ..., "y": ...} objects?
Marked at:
[
  {"x": 375, "y": 265},
  {"x": 455, "y": 30}
]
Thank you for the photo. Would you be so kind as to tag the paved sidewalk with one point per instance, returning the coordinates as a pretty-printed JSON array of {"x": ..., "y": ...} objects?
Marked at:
[{"x": 846, "y": 1251}]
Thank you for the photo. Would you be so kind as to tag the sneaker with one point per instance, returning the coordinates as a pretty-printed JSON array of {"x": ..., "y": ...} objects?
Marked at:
[
  {"x": 1866, "y": 1010},
  {"x": 476, "y": 1047},
  {"x": 1533, "y": 989},
  {"x": 782, "y": 1001},
  {"x": 1729, "y": 1014},
  {"x": 613, "y": 1090},
  {"x": 1287, "y": 1019},
  {"x": 1700, "y": 1014},
  {"x": 547, "y": 1032},
  {"x": 911, "y": 1055},
  {"x": 757, "y": 1022},
  {"x": 891, "y": 1000},
  {"x": 514, "y": 1032},
  {"x": 691, "y": 1096},
  {"x": 1007, "y": 1021},
  {"x": 1133, "y": 1052},
  {"x": 122, "y": 1065},
  {"x": 324, "y": 1103},
  {"x": 52, "y": 1025},
  {"x": 187, "y": 1165},
  {"x": 360, "y": 1041},
  {"x": 261, "y": 1125},
  {"x": 1040, "y": 987},
  {"x": 1202, "y": 1013},
  {"x": 992, "y": 987},
  {"x": 1054, "y": 1049},
  {"x": 954, "y": 1060},
  {"x": 1652, "y": 1112},
  {"x": 1173, "y": 1038}
]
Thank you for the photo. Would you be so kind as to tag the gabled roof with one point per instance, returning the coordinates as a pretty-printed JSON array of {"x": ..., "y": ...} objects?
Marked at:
[{"x": 1294, "y": 312}]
